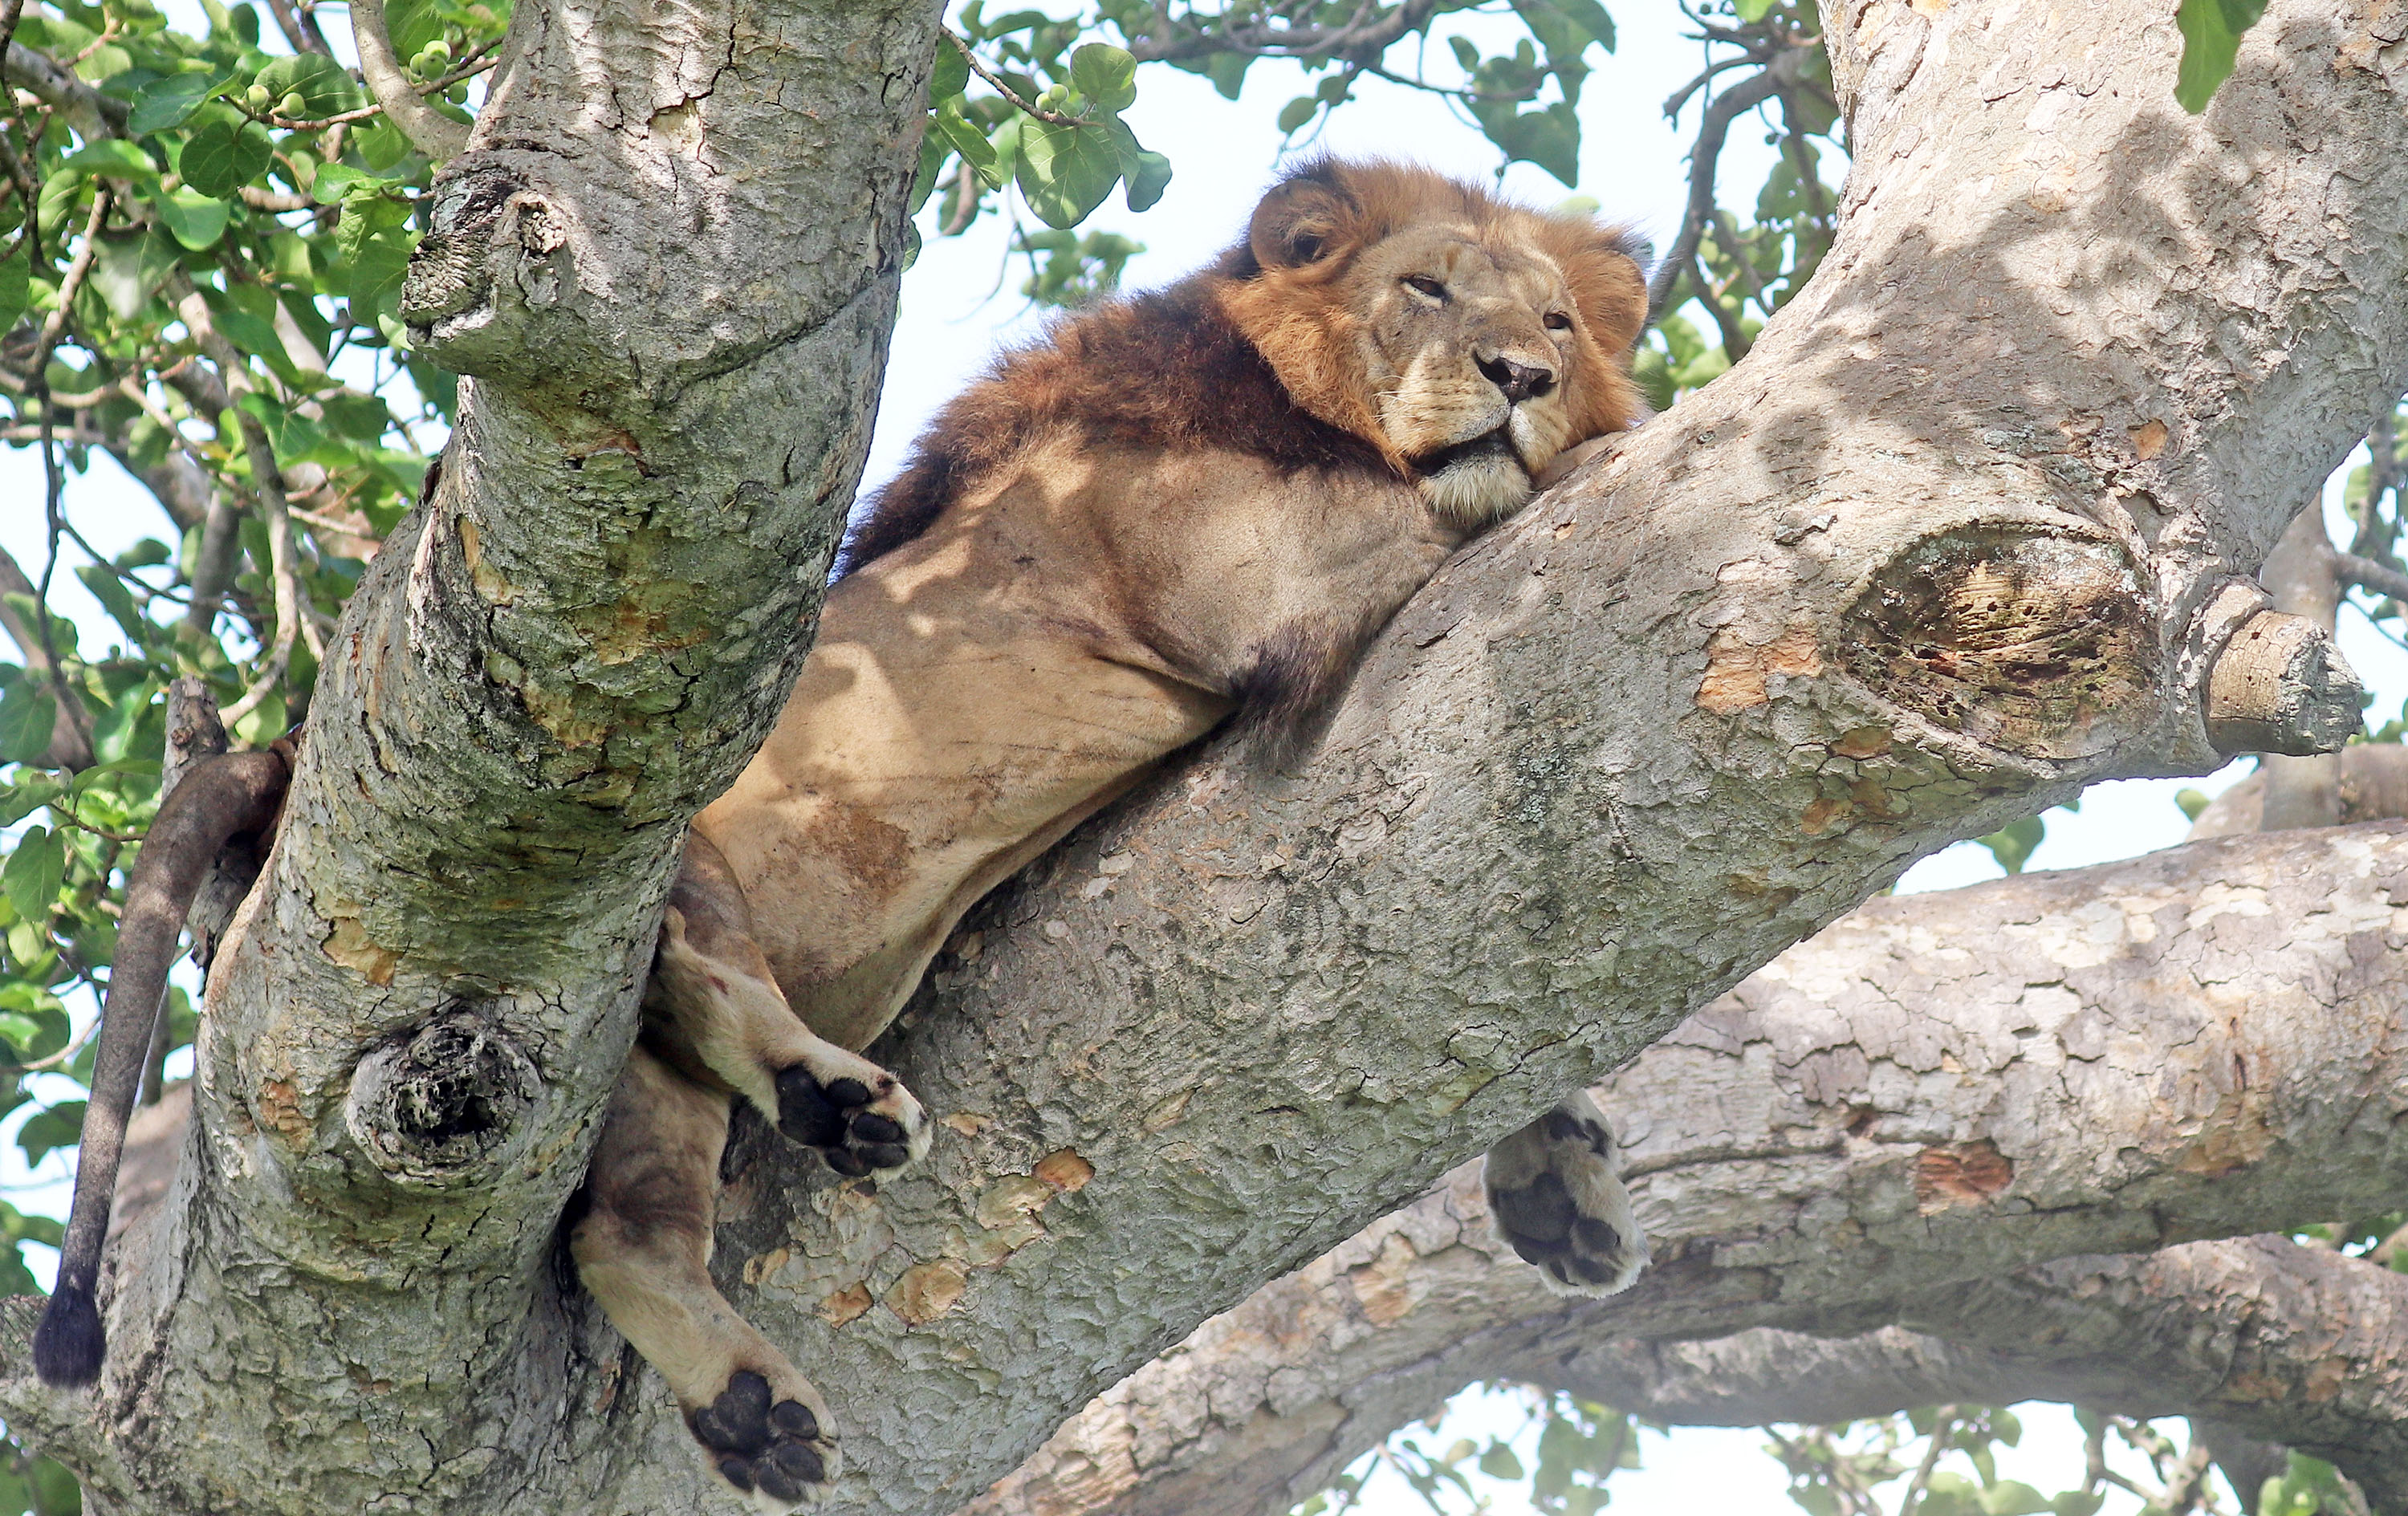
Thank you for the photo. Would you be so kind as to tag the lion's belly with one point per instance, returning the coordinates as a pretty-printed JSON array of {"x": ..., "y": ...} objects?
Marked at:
[{"x": 913, "y": 769}]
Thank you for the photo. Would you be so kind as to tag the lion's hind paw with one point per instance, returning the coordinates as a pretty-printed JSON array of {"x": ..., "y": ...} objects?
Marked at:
[
  {"x": 863, "y": 1120},
  {"x": 1556, "y": 1197},
  {"x": 772, "y": 1449}
]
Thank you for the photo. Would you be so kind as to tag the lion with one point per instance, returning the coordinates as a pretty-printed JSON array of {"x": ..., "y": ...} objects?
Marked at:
[{"x": 1179, "y": 510}]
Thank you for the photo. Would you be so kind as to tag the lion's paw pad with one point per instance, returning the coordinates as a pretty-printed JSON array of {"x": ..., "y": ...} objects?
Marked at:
[
  {"x": 860, "y": 1126},
  {"x": 771, "y": 1450},
  {"x": 1557, "y": 1199}
]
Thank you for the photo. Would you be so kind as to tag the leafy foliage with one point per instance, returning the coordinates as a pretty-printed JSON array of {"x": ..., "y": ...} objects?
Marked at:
[{"x": 2211, "y": 32}]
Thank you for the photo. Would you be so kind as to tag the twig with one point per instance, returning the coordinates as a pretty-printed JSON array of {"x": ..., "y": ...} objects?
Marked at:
[
  {"x": 1727, "y": 234},
  {"x": 1705, "y": 155},
  {"x": 466, "y": 70},
  {"x": 1942, "y": 1437},
  {"x": 55, "y": 326},
  {"x": 1051, "y": 118},
  {"x": 300, "y": 28},
  {"x": 280, "y": 566},
  {"x": 2369, "y": 575}
]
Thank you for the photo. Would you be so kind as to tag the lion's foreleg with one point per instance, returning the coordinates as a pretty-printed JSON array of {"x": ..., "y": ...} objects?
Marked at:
[
  {"x": 714, "y": 1002},
  {"x": 643, "y": 1250},
  {"x": 1556, "y": 1197}
]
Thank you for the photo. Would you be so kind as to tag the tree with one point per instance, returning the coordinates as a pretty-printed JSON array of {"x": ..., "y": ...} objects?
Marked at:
[{"x": 1963, "y": 534}]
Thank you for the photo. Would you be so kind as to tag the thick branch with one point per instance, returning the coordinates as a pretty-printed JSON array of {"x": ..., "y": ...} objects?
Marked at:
[{"x": 1941, "y": 1088}]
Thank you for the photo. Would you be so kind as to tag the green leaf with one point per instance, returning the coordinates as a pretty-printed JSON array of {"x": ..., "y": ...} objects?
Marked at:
[
  {"x": 1228, "y": 72},
  {"x": 1065, "y": 171},
  {"x": 1147, "y": 181},
  {"x": 967, "y": 140},
  {"x": 116, "y": 599},
  {"x": 27, "y": 716},
  {"x": 321, "y": 82},
  {"x": 363, "y": 418},
  {"x": 45, "y": 1131},
  {"x": 1498, "y": 1462},
  {"x": 34, "y": 872},
  {"x": 31, "y": 790},
  {"x": 373, "y": 273},
  {"x": 2009, "y": 1499},
  {"x": 2211, "y": 32},
  {"x": 1298, "y": 111},
  {"x": 247, "y": 329},
  {"x": 220, "y": 157},
  {"x": 164, "y": 104},
  {"x": 127, "y": 268},
  {"x": 194, "y": 220},
  {"x": 1106, "y": 75},
  {"x": 2012, "y": 846},
  {"x": 114, "y": 731},
  {"x": 14, "y": 268},
  {"x": 951, "y": 74},
  {"x": 1549, "y": 137},
  {"x": 113, "y": 158}
]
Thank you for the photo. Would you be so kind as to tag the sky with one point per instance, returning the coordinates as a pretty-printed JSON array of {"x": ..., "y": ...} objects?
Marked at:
[{"x": 959, "y": 304}]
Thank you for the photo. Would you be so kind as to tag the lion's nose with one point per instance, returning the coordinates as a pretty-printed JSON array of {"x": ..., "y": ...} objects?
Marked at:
[{"x": 1520, "y": 381}]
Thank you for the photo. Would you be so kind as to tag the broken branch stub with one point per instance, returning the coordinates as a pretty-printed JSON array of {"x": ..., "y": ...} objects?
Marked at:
[
  {"x": 446, "y": 1105},
  {"x": 2281, "y": 686}
]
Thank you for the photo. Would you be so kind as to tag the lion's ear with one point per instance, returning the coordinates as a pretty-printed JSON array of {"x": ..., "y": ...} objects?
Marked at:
[
  {"x": 1608, "y": 284},
  {"x": 1304, "y": 221}
]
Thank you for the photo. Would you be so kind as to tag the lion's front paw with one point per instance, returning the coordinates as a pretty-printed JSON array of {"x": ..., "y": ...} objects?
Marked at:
[
  {"x": 1556, "y": 1197},
  {"x": 771, "y": 1447},
  {"x": 860, "y": 1118}
]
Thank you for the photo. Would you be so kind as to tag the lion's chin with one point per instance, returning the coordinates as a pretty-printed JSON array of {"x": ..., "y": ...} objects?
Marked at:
[{"x": 1475, "y": 482}]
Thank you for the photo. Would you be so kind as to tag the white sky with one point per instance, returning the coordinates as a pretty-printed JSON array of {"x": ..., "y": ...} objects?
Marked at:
[{"x": 1632, "y": 163}]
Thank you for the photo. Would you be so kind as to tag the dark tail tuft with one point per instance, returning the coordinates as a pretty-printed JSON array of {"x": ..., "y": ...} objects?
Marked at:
[{"x": 69, "y": 1343}]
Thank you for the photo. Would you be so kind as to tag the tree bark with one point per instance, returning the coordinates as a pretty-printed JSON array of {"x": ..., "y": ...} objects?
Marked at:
[
  {"x": 1958, "y": 537},
  {"x": 1938, "y": 1092}
]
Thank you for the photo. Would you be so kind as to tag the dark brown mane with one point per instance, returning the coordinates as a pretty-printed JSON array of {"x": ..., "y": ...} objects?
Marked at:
[{"x": 1164, "y": 369}]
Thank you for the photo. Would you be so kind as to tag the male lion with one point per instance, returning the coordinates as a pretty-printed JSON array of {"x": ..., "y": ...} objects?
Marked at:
[
  {"x": 1181, "y": 508},
  {"x": 1178, "y": 508}
]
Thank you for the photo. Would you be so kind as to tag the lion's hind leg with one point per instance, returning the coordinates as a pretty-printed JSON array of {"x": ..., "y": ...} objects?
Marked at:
[
  {"x": 643, "y": 1249},
  {"x": 714, "y": 1001},
  {"x": 1556, "y": 1197}
]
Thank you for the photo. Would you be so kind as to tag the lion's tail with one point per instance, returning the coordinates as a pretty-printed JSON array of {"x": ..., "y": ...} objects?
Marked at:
[{"x": 223, "y": 798}]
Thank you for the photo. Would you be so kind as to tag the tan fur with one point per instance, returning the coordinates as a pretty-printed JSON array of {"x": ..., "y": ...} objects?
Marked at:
[{"x": 1186, "y": 506}]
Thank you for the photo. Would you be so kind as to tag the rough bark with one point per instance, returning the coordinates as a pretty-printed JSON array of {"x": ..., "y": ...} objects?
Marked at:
[
  {"x": 1934, "y": 1093},
  {"x": 1954, "y": 540},
  {"x": 2299, "y": 574}
]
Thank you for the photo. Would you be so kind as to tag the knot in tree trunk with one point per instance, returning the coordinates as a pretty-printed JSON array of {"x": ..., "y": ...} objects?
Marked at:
[{"x": 444, "y": 1105}]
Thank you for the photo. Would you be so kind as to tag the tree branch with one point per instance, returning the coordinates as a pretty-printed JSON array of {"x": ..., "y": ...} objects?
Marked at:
[
  {"x": 434, "y": 134},
  {"x": 1943, "y": 1088},
  {"x": 1705, "y": 154}
]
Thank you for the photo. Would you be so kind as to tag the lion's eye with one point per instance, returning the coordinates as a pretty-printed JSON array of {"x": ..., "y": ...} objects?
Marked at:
[
  {"x": 1555, "y": 320},
  {"x": 1424, "y": 284}
]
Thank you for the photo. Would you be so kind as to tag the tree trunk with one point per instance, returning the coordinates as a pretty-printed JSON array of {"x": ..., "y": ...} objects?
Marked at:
[
  {"x": 671, "y": 225},
  {"x": 1958, "y": 537},
  {"x": 1900, "y": 1122}
]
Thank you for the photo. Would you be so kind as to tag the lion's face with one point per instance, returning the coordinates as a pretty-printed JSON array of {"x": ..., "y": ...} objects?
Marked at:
[{"x": 1471, "y": 340}]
